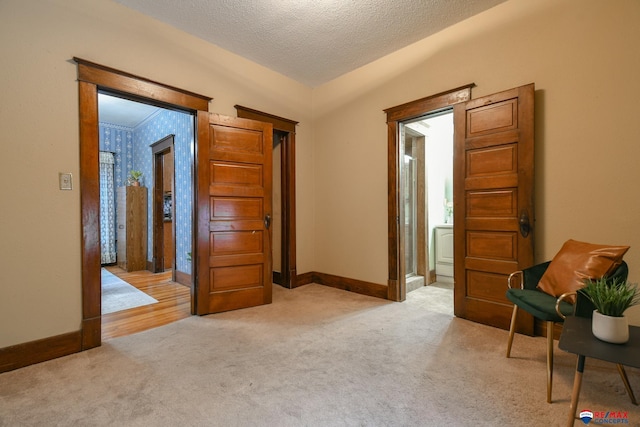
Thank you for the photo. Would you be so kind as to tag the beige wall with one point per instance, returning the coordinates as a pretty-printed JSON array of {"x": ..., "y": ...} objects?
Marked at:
[
  {"x": 583, "y": 58},
  {"x": 581, "y": 54},
  {"x": 40, "y": 225}
]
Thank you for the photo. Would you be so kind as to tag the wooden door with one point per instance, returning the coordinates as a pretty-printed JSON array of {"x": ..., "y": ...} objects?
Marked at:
[
  {"x": 493, "y": 211},
  {"x": 233, "y": 213},
  {"x": 163, "y": 206}
]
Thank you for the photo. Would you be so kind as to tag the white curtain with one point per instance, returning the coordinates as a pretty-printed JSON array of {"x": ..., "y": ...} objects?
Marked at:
[{"x": 107, "y": 209}]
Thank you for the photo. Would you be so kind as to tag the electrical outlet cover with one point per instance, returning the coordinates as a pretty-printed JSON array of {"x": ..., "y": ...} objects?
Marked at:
[{"x": 66, "y": 182}]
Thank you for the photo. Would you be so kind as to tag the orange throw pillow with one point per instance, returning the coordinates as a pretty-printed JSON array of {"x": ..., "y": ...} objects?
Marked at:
[{"x": 575, "y": 263}]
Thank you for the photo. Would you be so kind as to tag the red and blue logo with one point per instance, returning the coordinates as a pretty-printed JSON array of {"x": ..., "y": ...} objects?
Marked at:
[
  {"x": 604, "y": 417},
  {"x": 586, "y": 416}
]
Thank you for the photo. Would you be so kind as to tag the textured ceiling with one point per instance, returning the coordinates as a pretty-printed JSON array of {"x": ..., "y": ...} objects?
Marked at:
[
  {"x": 123, "y": 112},
  {"x": 311, "y": 41}
]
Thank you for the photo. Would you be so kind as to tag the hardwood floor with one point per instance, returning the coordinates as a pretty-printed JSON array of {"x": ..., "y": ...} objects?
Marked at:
[{"x": 174, "y": 303}]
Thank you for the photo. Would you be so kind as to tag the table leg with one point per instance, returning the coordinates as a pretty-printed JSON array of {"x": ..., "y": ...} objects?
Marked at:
[
  {"x": 577, "y": 383},
  {"x": 625, "y": 380}
]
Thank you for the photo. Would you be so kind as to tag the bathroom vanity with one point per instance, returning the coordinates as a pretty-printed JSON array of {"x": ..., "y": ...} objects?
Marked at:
[{"x": 444, "y": 253}]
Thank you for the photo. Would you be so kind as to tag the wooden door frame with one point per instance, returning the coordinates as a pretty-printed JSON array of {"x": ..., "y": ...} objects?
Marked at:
[
  {"x": 92, "y": 78},
  {"x": 396, "y": 285},
  {"x": 288, "y": 275},
  {"x": 422, "y": 254},
  {"x": 158, "y": 150}
]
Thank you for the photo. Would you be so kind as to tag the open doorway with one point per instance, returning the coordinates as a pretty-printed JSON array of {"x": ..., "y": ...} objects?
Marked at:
[
  {"x": 152, "y": 233},
  {"x": 397, "y": 119},
  {"x": 493, "y": 191},
  {"x": 93, "y": 78},
  {"x": 158, "y": 145},
  {"x": 164, "y": 230},
  {"x": 427, "y": 178}
]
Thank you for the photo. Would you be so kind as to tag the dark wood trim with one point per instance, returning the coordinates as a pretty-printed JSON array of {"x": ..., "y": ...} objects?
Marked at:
[
  {"x": 178, "y": 277},
  {"x": 352, "y": 285},
  {"x": 91, "y": 332},
  {"x": 277, "y": 278},
  {"x": 159, "y": 148},
  {"x": 157, "y": 223},
  {"x": 279, "y": 123},
  {"x": 93, "y": 78},
  {"x": 423, "y": 247},
  {"x": 395, "y": 115},
  {"x": 288, "y": 188},
  {"x": 183, "y": 278},
  {"x": 90, "y": 214},
  {"x": 304, "y": 279},
  {"x": 394, "y": 293},
  {"x": 29, "y": 353},
  {"x": 287, "y": 277},
  {"x": 432, "y": 276},
  {"x": 418, "y": 153},
  {"x": 200, "y": 291},
  {"x": 140, "y": 87},
  {"x": 419, "y": 107}
]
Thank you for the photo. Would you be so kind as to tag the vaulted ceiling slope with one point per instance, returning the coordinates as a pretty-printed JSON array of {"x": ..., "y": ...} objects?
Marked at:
[{"x": 311, "y": 41}]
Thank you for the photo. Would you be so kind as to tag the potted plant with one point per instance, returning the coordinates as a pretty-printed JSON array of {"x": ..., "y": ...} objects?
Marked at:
[
  {"x": 611, "y": 299},
  {"x": 134, "y": 178}
]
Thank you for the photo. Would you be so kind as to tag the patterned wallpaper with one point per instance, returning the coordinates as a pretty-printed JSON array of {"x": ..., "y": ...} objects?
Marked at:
[
  {"x": 119, "y": 140},
  {"x": 133, "y": 151}
]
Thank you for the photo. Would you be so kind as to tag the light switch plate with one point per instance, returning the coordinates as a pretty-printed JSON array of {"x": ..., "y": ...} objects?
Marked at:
[{"x": 66, "y": 182}]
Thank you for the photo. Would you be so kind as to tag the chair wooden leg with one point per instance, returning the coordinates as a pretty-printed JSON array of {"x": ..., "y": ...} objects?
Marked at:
[
  {"x": 512, "y": 330},
  {"x": 625, "y": 380},
  {"x": 549, "y": 360}
]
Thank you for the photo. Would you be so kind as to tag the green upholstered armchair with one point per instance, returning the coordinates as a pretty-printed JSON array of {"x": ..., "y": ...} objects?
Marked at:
[{"x": 527, "y": 296}]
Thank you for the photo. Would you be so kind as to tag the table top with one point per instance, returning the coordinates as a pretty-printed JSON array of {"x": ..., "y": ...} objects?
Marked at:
[{"x": 577, "y": 338}]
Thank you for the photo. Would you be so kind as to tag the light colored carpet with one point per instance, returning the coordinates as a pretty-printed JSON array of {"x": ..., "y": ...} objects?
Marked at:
[
  {"x": 118, "y": 295},
  {"x": 317, "y": 356},
  {"x": 438, "y": 297}
]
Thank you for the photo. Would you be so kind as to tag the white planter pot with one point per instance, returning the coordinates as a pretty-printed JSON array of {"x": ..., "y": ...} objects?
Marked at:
[{"x": 610, "y": 329}]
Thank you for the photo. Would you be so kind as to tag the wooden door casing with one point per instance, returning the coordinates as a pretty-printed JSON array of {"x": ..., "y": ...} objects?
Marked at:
[
  {"x": 286, "y": 128},
  {"x": 493, "y": 189},
  {"x": 163, "y": 256},
  {"x": 396, "y": 284},
  {"x": 92, "y": 78},
  {"x": 234, "y": 199}
]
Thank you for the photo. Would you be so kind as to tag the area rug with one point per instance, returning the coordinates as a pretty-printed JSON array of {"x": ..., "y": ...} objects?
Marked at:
[{"x": 118, "y": 295}]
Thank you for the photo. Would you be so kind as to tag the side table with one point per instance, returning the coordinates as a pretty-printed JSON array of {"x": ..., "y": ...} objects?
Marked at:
[{"x": 577, "y": 338}]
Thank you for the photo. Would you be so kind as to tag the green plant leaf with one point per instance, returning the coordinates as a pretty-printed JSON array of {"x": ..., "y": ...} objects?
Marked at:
[{"x": 611, "y": 298}]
